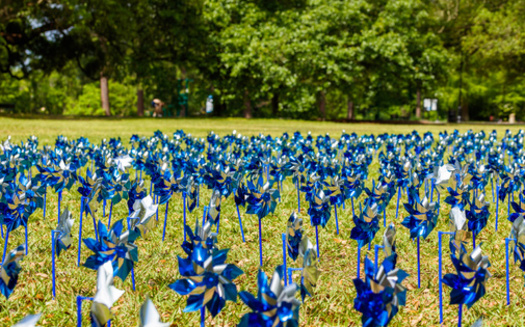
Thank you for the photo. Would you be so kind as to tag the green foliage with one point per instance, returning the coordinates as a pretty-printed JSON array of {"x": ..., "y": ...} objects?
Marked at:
[{"x": 266, "y": 58}]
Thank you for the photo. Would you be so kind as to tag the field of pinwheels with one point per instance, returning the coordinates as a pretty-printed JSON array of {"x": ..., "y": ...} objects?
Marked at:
[{"x": 279, "y": 224}]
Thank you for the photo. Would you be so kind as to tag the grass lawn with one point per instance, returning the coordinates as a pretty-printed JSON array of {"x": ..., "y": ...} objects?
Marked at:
[{"x": 332, "y": 303}]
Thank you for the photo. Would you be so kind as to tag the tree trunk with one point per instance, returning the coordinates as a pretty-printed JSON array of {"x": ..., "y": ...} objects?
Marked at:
[
  {"x": 104, "y": 94},
  {"x": 418, "y": 103},
  {"x": 275, "y": 105},
  {"x": 350, "y": 110},
  {"x": 464, "y": 112},
  {"x": 247, "y": 105},
  {"x": 322, "y": 105},
  {"x": 140, "y": 102}
]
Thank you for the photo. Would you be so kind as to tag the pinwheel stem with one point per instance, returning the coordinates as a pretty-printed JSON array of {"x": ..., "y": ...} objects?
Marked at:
[
  {"x": 384, "y": 216},
  {"x": 53, "y": 232},
  {"x": 45, "y": 204},
  {"x": 398, "y": 197},
  {"x": 5, "y": 244},
  {"x": 492, "y": 188},
  {"x": 157, "y": 212},
  {"x": 474, "y": 239},
  {"x": 507, "y": 241},
  {"x": 104, "y": 208},
  {"x": 260, "y": 244},
  {"x": 497, "y": 205},
  {"x": 133, "y": 277},
  {"x": 204, "y": 215},
  {"x": 2, "y": 230},
  {"x": 298, "y": 196},
  {"x": 203, "y": 316},
  {"x": 418, "y": 266},
  {"x": 79, "y": 308},
  {"x": 432, "y": 181},
  {"x": 440, "y": 261},
  {"x": 110, "y": 213},
  {"x": 336, "y": 221},
  {"x": 198, "y": 194},
  {"x": 358, "y": 261},
  {"x": 240, "y": 222},
  {"x": 284, "y": 256},
  {"x": 140, "y": 176},
  {"x": 317, "y": 240},
  {"x": 184, "y": 212},
  {"x": 353, "y": 211},
  {"x": 59, "y": 200},
  {"x": 166, "y": 220},
  {"x": 80, "y": 230}
]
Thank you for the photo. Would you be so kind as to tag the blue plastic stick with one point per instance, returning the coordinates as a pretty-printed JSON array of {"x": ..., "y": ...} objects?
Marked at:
[
  {"x": 358, "y": 261},
  {"x": 284, "y": 255},
  {"x": 441, "y": 274},
  {"x": 398, "y": 197},
  {"x": 53, "y": 232},
  {"x": 204, "y": 215},
  {"x": 104, "y": 209},
  {"x": 45, "y": 204},
  {"x": 377, "y": 247},
  {"x": 203, "y": 316},
  {"x": 59, "y": 200},
  {"x": 79, "y": 308},
  {"x": 133, "y": 276},
  {"x": 418, "y": 266},
  {"x": 80, "y": 230},
  {"x": 497, "y": 205},
  {"x": 165, "y": 221},
  {"x": 260, "y": 244},
  {"x": 298, "y": 196},
  {"x": 110, "y": 213},
  {"x": 492, "y": 187},
  {"x": 5, "y": 244},
  {"x": 336, "y": 222},
  {"x": 317, "y": 240},
  {"x": 198, "y": 195},
  {"x": 290, "y": 271},
  {"x": 353, "y": 211},
  {"x": 431, "y": 189},
  {"x": 240, "y": 222},
  {"x": 473, "y": 239},
  {"x": 157, "y": 202},
  {"x": 218, "y": 222},
  {"x": 384, "y": 216},
  {"x": 184, "y": 213},
  {"x": 507, "y": 241}
]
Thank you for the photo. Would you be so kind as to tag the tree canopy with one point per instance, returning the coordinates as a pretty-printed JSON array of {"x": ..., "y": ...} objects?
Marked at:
[{"x": 313, "y": 59}]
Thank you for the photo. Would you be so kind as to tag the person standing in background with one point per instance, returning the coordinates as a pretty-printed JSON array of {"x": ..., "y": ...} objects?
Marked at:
[{"x": 157, "y": 105}]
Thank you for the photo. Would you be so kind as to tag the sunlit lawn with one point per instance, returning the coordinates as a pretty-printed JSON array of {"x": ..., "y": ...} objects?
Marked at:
[{"x": 332, "y": 303}]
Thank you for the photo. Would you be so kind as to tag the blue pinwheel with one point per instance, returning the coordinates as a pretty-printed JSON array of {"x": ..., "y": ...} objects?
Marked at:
[
  {"x": 468, "y": 284},
  {"x": 261, "y": 198},
  {"x": 275, "y": 304},
  {"x": 381, "y": 295},
  {"x": 207, "y": 279},
  {"x": 366, "y": 224},
  {"x": 478, "y": 215},
  {"x": 422, "y": 216},
  {"x": 9, "y": 271},
  {"x": 116, "y": 246}
]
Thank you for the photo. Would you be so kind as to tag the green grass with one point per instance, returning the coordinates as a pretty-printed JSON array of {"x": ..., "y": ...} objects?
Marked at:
[{"x": 332, "y": 303}]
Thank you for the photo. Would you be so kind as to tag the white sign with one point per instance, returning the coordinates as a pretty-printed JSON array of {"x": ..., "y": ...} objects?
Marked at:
[{"x": 430, "y": 104}]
